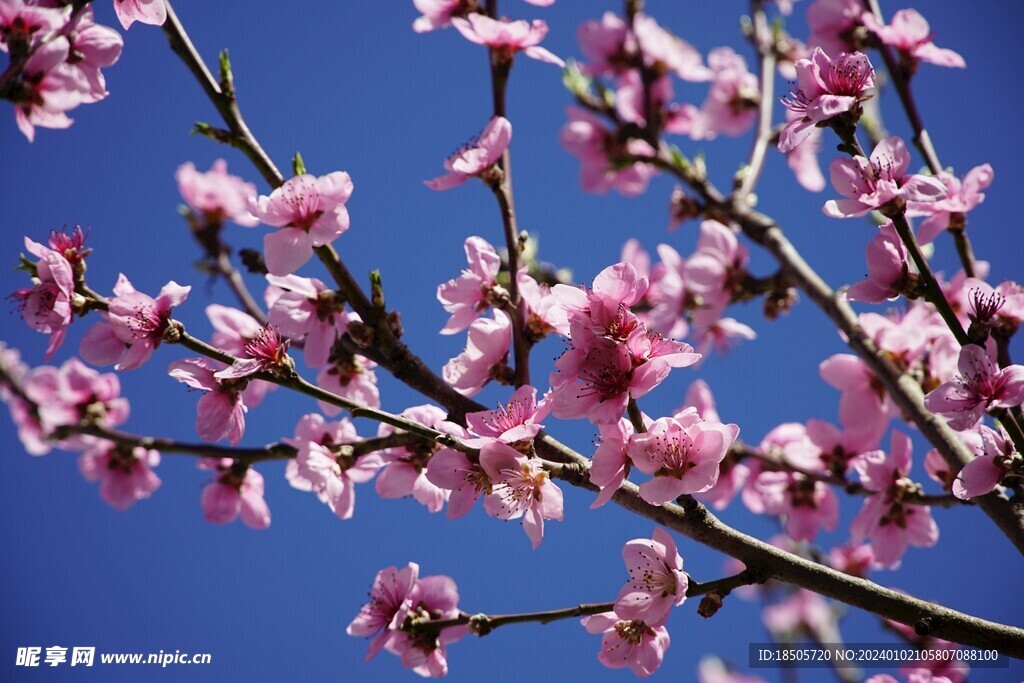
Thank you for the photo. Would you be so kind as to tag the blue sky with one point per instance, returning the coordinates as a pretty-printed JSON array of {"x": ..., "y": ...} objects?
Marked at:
[{"x": 351, "y": 86}]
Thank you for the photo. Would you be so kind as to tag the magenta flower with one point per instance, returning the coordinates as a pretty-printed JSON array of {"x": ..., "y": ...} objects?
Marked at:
[
  {"x": 604, "y": 158},
  {"x": 657, "y": 582},
  {"x": 405, "y": 468},
  {"x": 888, "y": 269},
  {"x": 266, "y": 352},
  {"x": 220, "y": 413},
  {"x": 682, "y": 453},
  {"x": 507, "y": 37},
  {"x": 633, "y": 644},
  {"x": 235, "y": 491},
  {"x": 322, "y": 467},
  {"x": 476, "y": 156},
  {"x": 472, "y": 293},
  {"x": 74, "y": 393},
  {"x": 910, "y": 33},
  {"x": 518, "y": 421},
  {"x": 432, "y": 598},
  {"x": 125, "y": 475},
  {"x": 152, "y": 12},
  {"x": 487, "y": 345},
  {"x": 216, "y": 195},
  {"x": 869, "y": 184},
  {"x": 980, "y": 386},
  {"x": 390, "y": 597},
  {"x": 962, "y": 195},
  {"x": 986, "y": 471},
  {"x": 604, "y": 309},
  {"x": 140, "y": 321},
  {"x": 826, "y": 88},
  {"x": 807, "y": 505},
  {"x": 47, "y": 306},
  {"x": 885, "y": 520},
  {"x": 521, "y": 488},
  {"x": 308, "y": 212}
]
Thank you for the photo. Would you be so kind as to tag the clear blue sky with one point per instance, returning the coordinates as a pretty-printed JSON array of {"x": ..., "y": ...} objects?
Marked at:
[{"x": 351, "y": 86}]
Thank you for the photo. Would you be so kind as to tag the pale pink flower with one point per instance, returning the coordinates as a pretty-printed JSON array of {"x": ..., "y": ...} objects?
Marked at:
[
  {"x": 24, "y": 25},
  {"x": 869, "y": 184},
  {"x": 662, "y": 51},
  {"x": 864, "y": 404},
  {"x": 682, "y": 453},
  {"x": 520, "y": 488},
  {"x": 832, "y": 24},
  {"x": 390, "y": 597},
  {"x": 464, "y": 479},
  {"x": 321, "y": 466},
  {"x": 47, "y": 305},
  {"x": 806, "y": 504},
  {"x": 74, "y": 393},
  {"x": 152, "y": 12},
  {"x": 962, "y": 195},
  {"x": 839, "y": 448},
  {"x": 125, "y": 475},
  {"x": 986, "y": 471},
  {"x": 433, "y": 597},
  {"x": 308, "y": 212},
  {"x": 352, "y": 377},
  {"x": 220, "y": 413},
  {"x": 610, "y": 465},
  {"x": 853, "y": 558},
  {"x": 234, "y": 331},
  {"x": 438, "y": 14},
  {"x": 48, "y": 88},
  {"x": 24, "y": 415},
  {"x": 140, "y": 321},
  {"x": 825, "y": 88},
  {"x": 603, "y": 155},
  {"x": 476, "y": 156},
  {"x": 603, "y": 310},
  {"x": 713, "y": 670},
  {"x": 730, "y": 107},
  {"x": 910, "y": 33},
  {"x": 235, "y": 491},
  {"x": 606, "y": 43},
  {"x": 405, "y": 467},
  {"x": 266, "y": 352},
  {"x": 92, "y": 47},
  {"x": 216, "y": 195},
  {"x": 657, "y": 581},
  {"x": 885, "y": 520},
  {"x": 304, "y": 308},
  {"x": 485, "y": 356},
  {"x": 517, "y": 421},
  {"x": 888, "y": 269},
  {"x": 545, "y": 314},
  {"x": 507, "y": 37},
  {"x": 722, "y": 335},
  {"x": 596, "y": 378},
  {"x": 802, "y": 612},
  {"x": 980, "y": 386},
  {"x": 803, "y": 159},
  {"x": 469, "y": 295},
  {"x": 624, "y": 643}
]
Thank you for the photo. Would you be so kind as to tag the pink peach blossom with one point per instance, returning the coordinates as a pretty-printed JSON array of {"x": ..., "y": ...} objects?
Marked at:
[
  {"x": 50, "y": 87},
  {"x": 962, "y": 196},
  {"x": 888, "y": 269},
  {"x": 390, "y": 598},
  {"x": 986, "y": 471},
  {"x": 91, "y": 48},
  {"x": 868, "y": 184},
  {"x": 220, "y": 413},
  {"x": 47, "y": 305},
  {"x": 152, "y": 12},
  {"x": 140, "y": 321},
  {"x": 24, "y": 25},
  {"x": 730, "y": 107},
  {"x": 438, "y": 14},
  {"x": 125, "y": 475},
  {"x": 304, "y": 308},
  {"x": 657, "y": 581},
  {"x": 910, "y": 33},
  {"x": 74, "y": 393},
  {"x": 437, "y": 597},
  {"x": 507, "y": 37},
  {"x": 604, "y": 157},
  {"x": 624, "y": 643},
  {"x": 309, "y": 212},
  {"x": 477, "y": 156},
  {"x": 864, "y": 404},
  {"x": 826, "y": 88},
  {"x": 352, "y": 377},
  {"x": 980, "y": 386},
  {"x": 521, "y": 488},
  {"x": 469, "y": 295},
  {"x": 663, "y": 51},
  {"x": 806, "y": 505},
  {"x": 832, "y": 24},
  {"x": 216, "y": 195},
  {"x": 235, "y": 491},
  {"x": 487, "y": 346},
  {"x": 517, "y": 421}
]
